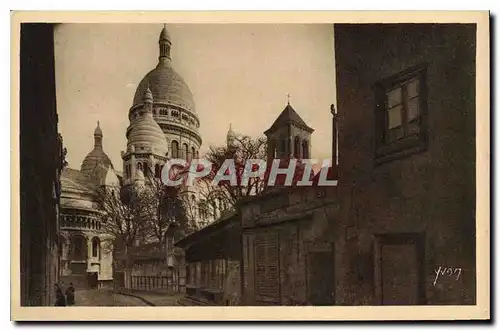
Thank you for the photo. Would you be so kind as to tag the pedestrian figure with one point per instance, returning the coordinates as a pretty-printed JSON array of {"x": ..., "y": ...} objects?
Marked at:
[
  {"x": 70, "y": 295},
  {"x": 60, "y": 299}
]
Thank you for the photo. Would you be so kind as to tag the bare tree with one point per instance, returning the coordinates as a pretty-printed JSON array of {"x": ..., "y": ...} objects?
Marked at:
[
  {"x": 122, "y": 218},
  {"x": 244, "y": 148},
  {"x": 164, "y": 208}
]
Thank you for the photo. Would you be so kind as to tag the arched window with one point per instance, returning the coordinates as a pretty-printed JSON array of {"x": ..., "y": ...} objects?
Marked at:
[
  {"x": 175, "y": 149},
  {"x": 95, "y": 247},
  {"x": 157, "y": 171},
  {"x": 296, "y": 147},
  {"x": 193, "y": 152},
  {"x": 139, "y": 166},
  {"x": 305, "y": 149},
  {"x": 272, "y": 148},
  {"x": 78, "y": 248},
  {"x": 185, "y": 150},
  {"x": 282, "y": 147}
]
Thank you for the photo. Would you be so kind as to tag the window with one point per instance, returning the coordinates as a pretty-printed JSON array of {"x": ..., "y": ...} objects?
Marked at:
[
  {"x": 157, "y": 171},
  {"x": 282, "y": 147},
  {"x": 193, "y": 152},
  {"x": 185, "y": 150},
  {"x": 401, "y": 114},
  {"x": 296, "y": 147},
  {"x": 175, "y": 149},
  {"x": 95, "y": 247},
  {"x": 78, "y": 248},
  {"x": 305, "y": 149}
]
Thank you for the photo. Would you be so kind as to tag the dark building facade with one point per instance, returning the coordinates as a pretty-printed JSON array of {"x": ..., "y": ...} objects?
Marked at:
[
  {"x": 41, "y": 160},
  {"x": 406, "y": 119}
]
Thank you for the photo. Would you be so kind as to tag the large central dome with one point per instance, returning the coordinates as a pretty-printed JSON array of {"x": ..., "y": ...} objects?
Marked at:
[{"x": 167, "y": 87}]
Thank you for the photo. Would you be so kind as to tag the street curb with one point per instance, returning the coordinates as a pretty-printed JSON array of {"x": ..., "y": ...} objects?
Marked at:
[{"x": 149, "y": 303}]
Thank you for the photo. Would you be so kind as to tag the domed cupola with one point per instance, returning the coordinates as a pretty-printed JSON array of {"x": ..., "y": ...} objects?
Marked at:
[
  {"x": 173, "y": 105},
  {"x": 167, "y": 86},
  {"x": 144, "y": 134},
  {"x": 97, "y": 157}
]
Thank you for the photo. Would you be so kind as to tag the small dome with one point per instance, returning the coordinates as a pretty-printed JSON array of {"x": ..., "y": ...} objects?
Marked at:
[
  {"x": 164, "y": 35},
  {"x": 146, "y": 133},
  {"x": 96, "y": 158},
  {"x": 230, "y": 132}
]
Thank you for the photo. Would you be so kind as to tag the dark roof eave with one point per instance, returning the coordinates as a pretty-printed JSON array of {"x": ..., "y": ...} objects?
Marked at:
[{"x": 210, "y": 229}]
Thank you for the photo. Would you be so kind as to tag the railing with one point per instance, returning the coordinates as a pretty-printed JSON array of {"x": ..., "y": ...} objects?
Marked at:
[{"x": 147, "y": 283}]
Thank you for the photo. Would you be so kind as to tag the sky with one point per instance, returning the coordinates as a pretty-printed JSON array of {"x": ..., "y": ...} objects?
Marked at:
[{"x": 238, "y": 73}]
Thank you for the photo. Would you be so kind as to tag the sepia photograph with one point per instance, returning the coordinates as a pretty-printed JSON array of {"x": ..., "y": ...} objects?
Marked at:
[{"x": 178, "y": 162}]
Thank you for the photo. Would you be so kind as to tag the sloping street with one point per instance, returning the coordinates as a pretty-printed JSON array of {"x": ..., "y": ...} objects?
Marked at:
[{"x": 105, "y": 298}]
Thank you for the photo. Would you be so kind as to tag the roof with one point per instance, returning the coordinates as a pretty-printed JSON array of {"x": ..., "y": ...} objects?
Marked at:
[
  {"x": 96, "y": 157},
  {"x": 75, "y": 180},
  {"x": 289, "y": 116},
  {"x": 167, "y": 86},
  {"x": 164, "y": 35},
  {"x": 220, "y": 223}
]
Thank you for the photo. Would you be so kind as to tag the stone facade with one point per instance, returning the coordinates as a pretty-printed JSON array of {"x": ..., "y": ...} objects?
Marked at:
[
  {"x": 288, "y": 247},
  {"x": 407, "y": 205},
  {"x": 85, "y": 251},
  {"x": 41, "y": 160}
]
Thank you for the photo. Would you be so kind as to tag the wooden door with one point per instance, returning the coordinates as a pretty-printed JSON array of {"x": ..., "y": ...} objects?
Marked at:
[
  {"x": 400, "y": 279},
  {"x": 320, "y": 278}
]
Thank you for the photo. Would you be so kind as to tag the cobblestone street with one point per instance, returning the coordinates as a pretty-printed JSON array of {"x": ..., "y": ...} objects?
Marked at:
[{"x": 105, "y": 298}]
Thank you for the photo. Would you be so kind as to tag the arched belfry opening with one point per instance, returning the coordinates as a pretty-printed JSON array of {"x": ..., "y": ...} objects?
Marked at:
[{"x": 292, "y": 135}]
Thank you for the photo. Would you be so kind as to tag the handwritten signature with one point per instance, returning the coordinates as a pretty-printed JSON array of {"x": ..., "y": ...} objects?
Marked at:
[{"x": 447, "y": 271}]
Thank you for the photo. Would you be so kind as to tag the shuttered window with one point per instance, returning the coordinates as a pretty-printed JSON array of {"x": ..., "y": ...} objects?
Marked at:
[{"x": 267, "y": 285}]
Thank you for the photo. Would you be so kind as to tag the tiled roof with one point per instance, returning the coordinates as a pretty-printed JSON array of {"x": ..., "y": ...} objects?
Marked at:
[
  {"x": 75, "y": 180},
  {"x": 289, "y": 115}
]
